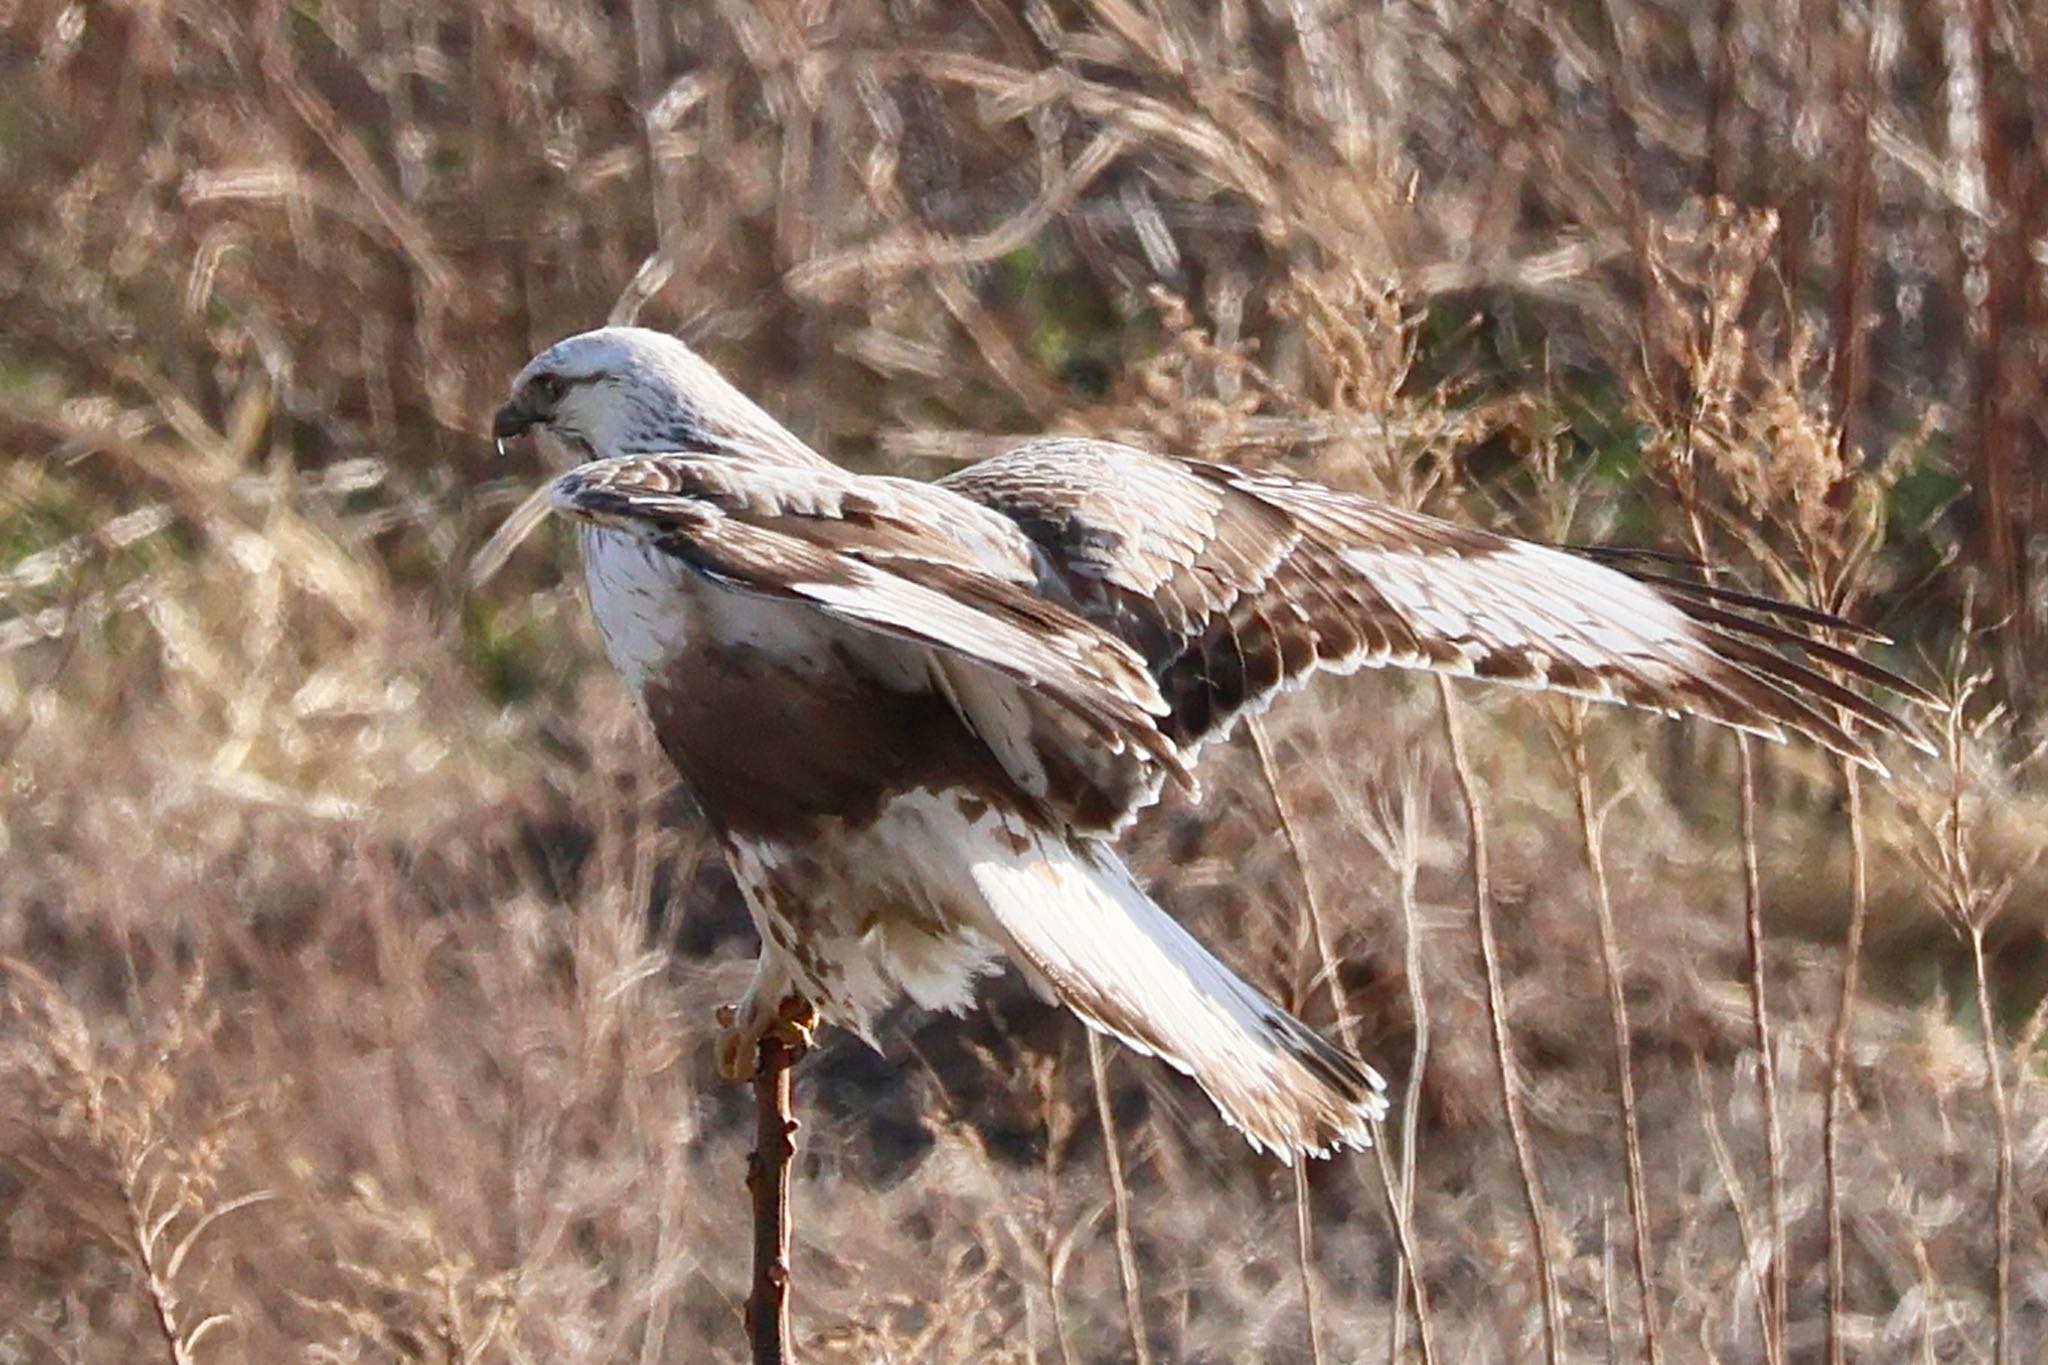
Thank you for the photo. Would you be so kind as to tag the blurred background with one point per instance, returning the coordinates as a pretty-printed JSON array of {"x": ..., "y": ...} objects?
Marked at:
[{"x": 358, "y": 957}]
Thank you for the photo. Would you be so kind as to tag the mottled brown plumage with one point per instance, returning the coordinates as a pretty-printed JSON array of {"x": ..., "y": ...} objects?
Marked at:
[
  {"x": 916, "y": 713},
  {"x": 1235, "y": 584}
]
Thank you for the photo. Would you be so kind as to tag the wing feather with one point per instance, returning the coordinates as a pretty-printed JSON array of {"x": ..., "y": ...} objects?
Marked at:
[{"x": 1236, "y": 584}]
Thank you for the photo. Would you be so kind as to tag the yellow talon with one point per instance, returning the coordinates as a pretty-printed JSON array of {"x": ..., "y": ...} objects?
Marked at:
[
  {"x": 796, "y": 1019},
  {"x": 738, "y": 1052}
]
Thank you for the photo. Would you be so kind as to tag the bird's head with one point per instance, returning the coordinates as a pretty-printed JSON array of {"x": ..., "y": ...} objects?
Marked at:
[
  {"x": 632, "y": 391},
  {"x": 614, "y": 391}
]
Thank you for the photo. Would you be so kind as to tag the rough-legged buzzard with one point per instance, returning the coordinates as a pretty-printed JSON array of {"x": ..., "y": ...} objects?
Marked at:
[{"x": 917, "y": 714}]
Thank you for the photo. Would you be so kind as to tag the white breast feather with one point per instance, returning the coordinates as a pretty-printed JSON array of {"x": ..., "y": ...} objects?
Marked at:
[
  {"x": 639, "y": 600},
  {"x": 650, "y": 608}
]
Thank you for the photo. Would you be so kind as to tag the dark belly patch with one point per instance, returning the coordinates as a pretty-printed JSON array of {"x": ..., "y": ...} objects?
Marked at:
[{"x": 770, "y": 753}]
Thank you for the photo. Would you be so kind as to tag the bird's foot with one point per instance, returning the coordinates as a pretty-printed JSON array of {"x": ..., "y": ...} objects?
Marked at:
[{"x": 752, "y": 1022}]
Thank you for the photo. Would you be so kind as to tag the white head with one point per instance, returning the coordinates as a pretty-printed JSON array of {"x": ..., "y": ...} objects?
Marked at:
[{"x": 631, "y": 391}]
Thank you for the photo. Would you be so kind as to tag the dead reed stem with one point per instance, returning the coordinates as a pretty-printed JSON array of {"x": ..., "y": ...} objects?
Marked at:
[
  {"x": 768, "y": 1183},
  {"x": 1408, "y": 1282},
  {"x": 1838, "y": 1056},
  {"x": 1120, "y": 1200},
  {"x": 1971, "y": 906},
  {"x": 1849, "y": 378},
  {"x": 1405, "y": 856},
  {"x": 1497, "y": 1016},
  {"x": 1971, "y": 903},
  {"x": 1408, "y": 1277},
  {"x": 1590, "y": 822},
  {"x": 1995, "y": 1080},
  {"x": 1745, "y": 1227},
  {"x": 1058, "y": 1247},
  {"x": 1995, "y": 266},
  {"x": 1773, "y": 1289},
  {"x": 1852, "y": 303},
  {"x": 1304, "y": 1222},
  {"x": 1607, "y": 1279},
  {"x": 1721, "y": 100},
  {"x": 1305, "y": 1260}
]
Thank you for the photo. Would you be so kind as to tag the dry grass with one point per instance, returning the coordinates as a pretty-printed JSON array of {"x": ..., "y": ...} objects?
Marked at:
[{"x": 357, "y": 957}]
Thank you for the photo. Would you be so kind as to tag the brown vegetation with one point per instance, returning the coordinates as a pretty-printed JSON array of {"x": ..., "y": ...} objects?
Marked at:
[{"x": 357, "y": 957}]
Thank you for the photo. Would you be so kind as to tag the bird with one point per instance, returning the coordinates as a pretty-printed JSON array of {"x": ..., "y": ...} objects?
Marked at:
[{"x": 917, "y": 715}]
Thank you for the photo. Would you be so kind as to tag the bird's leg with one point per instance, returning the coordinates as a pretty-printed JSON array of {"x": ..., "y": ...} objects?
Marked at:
[{"x": 770, "y": 1008}]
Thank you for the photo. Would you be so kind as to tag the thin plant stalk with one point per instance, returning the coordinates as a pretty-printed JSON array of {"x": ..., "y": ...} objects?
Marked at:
[
  {"x": 1407, "y": 1283},
  {"x": 1305, "y": 1260},
  {"x": 1721, "y": 170},
  {"x": 1852, "y": 343},
  {"x": 1744, "y": 1226},
  {"x": 1838, "y": 1058},
  {"x": 1407, "y": 857},
  {"x": 1408, "y": 1279},
  {"x": 1995, "y": 1081},
  {"x": 1970, "y": 902},
  {"x": 1607, "y": 1313},
  {"x": 1304, "y": 1221},
  {"x": 1497, "y": 1016},
  {"x": 1058, "y": 1247},
  {"x": 1774, "y": 1287},
  {"x": 1971, "y": 905},
  {"x": 1120, "y": 1198},
  {"x": 1590, "y": 822}
]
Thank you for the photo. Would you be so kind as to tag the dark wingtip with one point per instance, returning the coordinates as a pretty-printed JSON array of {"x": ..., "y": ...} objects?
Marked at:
[{"x": 1615, "y": 555}]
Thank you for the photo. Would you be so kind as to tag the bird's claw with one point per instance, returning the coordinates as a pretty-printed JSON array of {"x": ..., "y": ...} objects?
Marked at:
[{"x": 748, "y": 1025}]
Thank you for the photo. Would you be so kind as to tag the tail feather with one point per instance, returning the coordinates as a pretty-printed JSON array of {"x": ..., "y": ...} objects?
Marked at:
[{"x": 1079, "y": 924}]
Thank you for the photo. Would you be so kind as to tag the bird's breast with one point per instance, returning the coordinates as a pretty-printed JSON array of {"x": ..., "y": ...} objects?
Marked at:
[
  {"x": 645, "y": 602},
  {"x": 654, "y": 610}
]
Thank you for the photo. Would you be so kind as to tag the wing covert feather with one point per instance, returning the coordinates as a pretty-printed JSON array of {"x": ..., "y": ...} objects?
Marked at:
[{"x": 1237, "y": 584}]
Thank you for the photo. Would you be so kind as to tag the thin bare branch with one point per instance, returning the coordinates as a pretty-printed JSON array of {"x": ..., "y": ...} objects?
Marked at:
[{"x": 768, "y": 1184}]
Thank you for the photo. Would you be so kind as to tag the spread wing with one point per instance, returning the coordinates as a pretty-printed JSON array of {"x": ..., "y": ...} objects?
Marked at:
[
  {"x": 1069, "y": 710},
  {"x": 1234, "y": 585}
]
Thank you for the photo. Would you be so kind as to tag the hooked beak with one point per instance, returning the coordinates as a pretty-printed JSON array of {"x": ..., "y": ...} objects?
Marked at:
[{"x": 516, "y": 418}]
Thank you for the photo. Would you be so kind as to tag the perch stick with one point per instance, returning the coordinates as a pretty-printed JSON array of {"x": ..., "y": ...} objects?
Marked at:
[{"x": 768, "y": 1183}]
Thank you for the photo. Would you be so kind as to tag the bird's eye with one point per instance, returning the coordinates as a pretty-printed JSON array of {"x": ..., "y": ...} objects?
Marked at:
[{"x": 551, "y": 386}]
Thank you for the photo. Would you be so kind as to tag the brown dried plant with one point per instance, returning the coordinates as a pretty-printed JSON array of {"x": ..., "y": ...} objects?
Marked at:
[{"x": 111, "y": 1149}]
